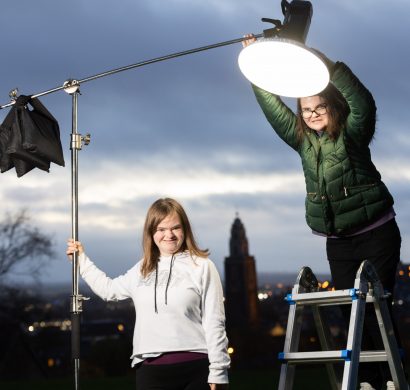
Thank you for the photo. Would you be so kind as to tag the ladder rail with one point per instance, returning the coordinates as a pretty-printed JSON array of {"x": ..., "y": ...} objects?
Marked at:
[
  {"x": 390, "y": 343},
  {"x": 294, "y": 327},
  {"x": 354, "y": 341},
  {"x": 292, "y": 338}
]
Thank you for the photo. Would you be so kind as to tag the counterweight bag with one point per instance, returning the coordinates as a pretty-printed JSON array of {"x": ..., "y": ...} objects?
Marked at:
[{"x": 30, "y": 138}]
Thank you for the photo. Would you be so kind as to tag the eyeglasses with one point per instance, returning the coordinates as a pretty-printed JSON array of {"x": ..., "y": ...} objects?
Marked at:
[{"x": 321, "y": 109}]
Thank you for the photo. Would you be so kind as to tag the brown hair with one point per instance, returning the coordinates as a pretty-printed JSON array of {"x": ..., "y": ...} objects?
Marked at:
[
  {"x": 337, "y": 111},
  {"x": 159, "y": 210}
]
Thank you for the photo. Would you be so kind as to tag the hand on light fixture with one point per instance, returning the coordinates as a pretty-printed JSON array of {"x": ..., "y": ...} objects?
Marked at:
[{"x": 251, "y": 39}]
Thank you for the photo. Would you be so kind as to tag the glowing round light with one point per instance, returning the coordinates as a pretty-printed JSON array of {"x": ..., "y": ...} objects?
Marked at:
[{"x": 283, "y": 67}]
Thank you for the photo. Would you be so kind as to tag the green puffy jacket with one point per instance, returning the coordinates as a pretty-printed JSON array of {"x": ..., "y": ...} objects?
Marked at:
[{"x": 344, "y": 188}]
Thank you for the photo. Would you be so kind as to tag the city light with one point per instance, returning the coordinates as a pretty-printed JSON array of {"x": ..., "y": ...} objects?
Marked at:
[
  {"x": 63, "y": 325},
  {"x": 325, "y": 284},
  {"x": 231, "y": 350},
  {"x": 278, "y": 330},
  {"x": 263, "y": 296}
]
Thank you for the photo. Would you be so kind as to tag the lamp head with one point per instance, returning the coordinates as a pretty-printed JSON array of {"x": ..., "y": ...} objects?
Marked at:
[
  {"x": 298, "y": 15},
  {"x": 280, "y": 62}
]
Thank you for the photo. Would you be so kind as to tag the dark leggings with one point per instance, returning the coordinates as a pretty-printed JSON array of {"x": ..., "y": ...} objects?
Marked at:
[
  {"x": 380, "y": 246},
  {"x": 191, "y": 375}
]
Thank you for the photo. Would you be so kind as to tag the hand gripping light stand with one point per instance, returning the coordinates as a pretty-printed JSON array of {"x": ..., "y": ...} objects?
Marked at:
[{"x": 291, "y": 33}]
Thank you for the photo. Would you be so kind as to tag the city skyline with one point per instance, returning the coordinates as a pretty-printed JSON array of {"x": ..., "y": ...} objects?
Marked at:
[{"x": 189, "y": 128}]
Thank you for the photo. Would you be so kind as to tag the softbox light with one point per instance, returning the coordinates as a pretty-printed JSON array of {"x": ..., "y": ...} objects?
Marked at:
[
  {"x": 283, "y": 67},
  {"x": 280, "y": 62}
]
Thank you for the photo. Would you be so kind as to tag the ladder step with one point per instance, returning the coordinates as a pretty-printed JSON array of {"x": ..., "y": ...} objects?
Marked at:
[
  {"x": 373, "y": 356},
  {"x": 314, "y": 357},
  {"x": 326, "y": 297},
  {"x": 323, "y": 297},
  {"x": 331, "y": 356}
]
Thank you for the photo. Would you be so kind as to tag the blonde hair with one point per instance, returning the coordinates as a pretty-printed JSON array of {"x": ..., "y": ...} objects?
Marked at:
[{"x": 159, "y": 210}]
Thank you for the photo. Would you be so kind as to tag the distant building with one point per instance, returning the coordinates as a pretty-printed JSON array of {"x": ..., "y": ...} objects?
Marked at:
[{"x": 240, "y": 281}]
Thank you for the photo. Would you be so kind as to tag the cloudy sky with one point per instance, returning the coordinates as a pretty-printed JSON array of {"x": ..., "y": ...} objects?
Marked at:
[{"x": 190, "y": 127}]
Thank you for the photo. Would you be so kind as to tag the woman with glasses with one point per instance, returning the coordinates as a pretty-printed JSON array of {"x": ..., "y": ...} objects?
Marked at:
[
  {"x": 346, "y": 200},
  {"x": 179, "y": 336}
]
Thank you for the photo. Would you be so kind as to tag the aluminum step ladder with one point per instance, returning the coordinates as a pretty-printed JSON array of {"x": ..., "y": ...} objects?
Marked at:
[{"x": 367, "y": 288}]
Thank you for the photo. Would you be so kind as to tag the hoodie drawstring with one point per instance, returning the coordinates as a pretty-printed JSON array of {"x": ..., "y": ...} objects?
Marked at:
[
  {"x": 166, "y": 288},
  {"x": 155, "y": 288},
  {"x": 169, "y": 279}
]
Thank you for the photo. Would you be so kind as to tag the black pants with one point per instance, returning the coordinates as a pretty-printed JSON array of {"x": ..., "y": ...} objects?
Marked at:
[
  {"x": 192, "y": 375},
  {"x": 380, "y": 246}
]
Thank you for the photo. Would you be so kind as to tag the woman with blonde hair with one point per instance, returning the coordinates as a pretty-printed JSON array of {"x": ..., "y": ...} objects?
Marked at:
[{"x": 179, "y": 339}]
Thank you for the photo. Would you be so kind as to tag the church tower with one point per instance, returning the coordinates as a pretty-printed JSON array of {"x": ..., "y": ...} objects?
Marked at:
[{"x": 240, "y": 281}]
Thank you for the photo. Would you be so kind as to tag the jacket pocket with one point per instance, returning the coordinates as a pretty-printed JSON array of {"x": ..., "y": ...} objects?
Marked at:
[
  {"x": 351, "y": 190},
  {"x": 311, "y": 195}
]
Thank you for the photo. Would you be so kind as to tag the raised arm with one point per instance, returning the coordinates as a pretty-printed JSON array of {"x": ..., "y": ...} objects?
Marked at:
[
  {"x": 361, "y": 121},
  {"x": 279, "y": 115}
]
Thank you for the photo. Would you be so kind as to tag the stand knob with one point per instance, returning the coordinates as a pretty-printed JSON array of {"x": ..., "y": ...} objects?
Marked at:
[{"x": 86, "y": 139}]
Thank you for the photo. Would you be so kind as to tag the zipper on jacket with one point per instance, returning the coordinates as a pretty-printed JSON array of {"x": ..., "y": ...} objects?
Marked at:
[{"x": 346, "y": 189}]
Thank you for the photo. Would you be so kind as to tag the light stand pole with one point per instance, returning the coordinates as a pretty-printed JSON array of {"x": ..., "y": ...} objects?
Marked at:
[
  {"x": 76, "y": 303},
  {"x": 73, "y": 88}
]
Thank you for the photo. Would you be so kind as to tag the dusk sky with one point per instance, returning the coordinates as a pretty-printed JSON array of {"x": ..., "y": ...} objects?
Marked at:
[{"x": 189, "y": 128}]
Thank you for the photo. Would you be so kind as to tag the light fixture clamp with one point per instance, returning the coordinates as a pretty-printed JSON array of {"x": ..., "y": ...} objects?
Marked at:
[
  {"x": 77, "y": 141},
  {"x": 77, "y": 303},
  {"x": 71, "y": 86}
]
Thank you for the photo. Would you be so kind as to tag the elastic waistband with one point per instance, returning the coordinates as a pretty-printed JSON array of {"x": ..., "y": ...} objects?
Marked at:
[{"x": 176, "y": 357}]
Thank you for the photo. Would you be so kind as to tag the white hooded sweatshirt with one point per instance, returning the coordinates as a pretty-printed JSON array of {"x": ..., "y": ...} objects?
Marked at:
[{"x": 190, "y": 313}]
